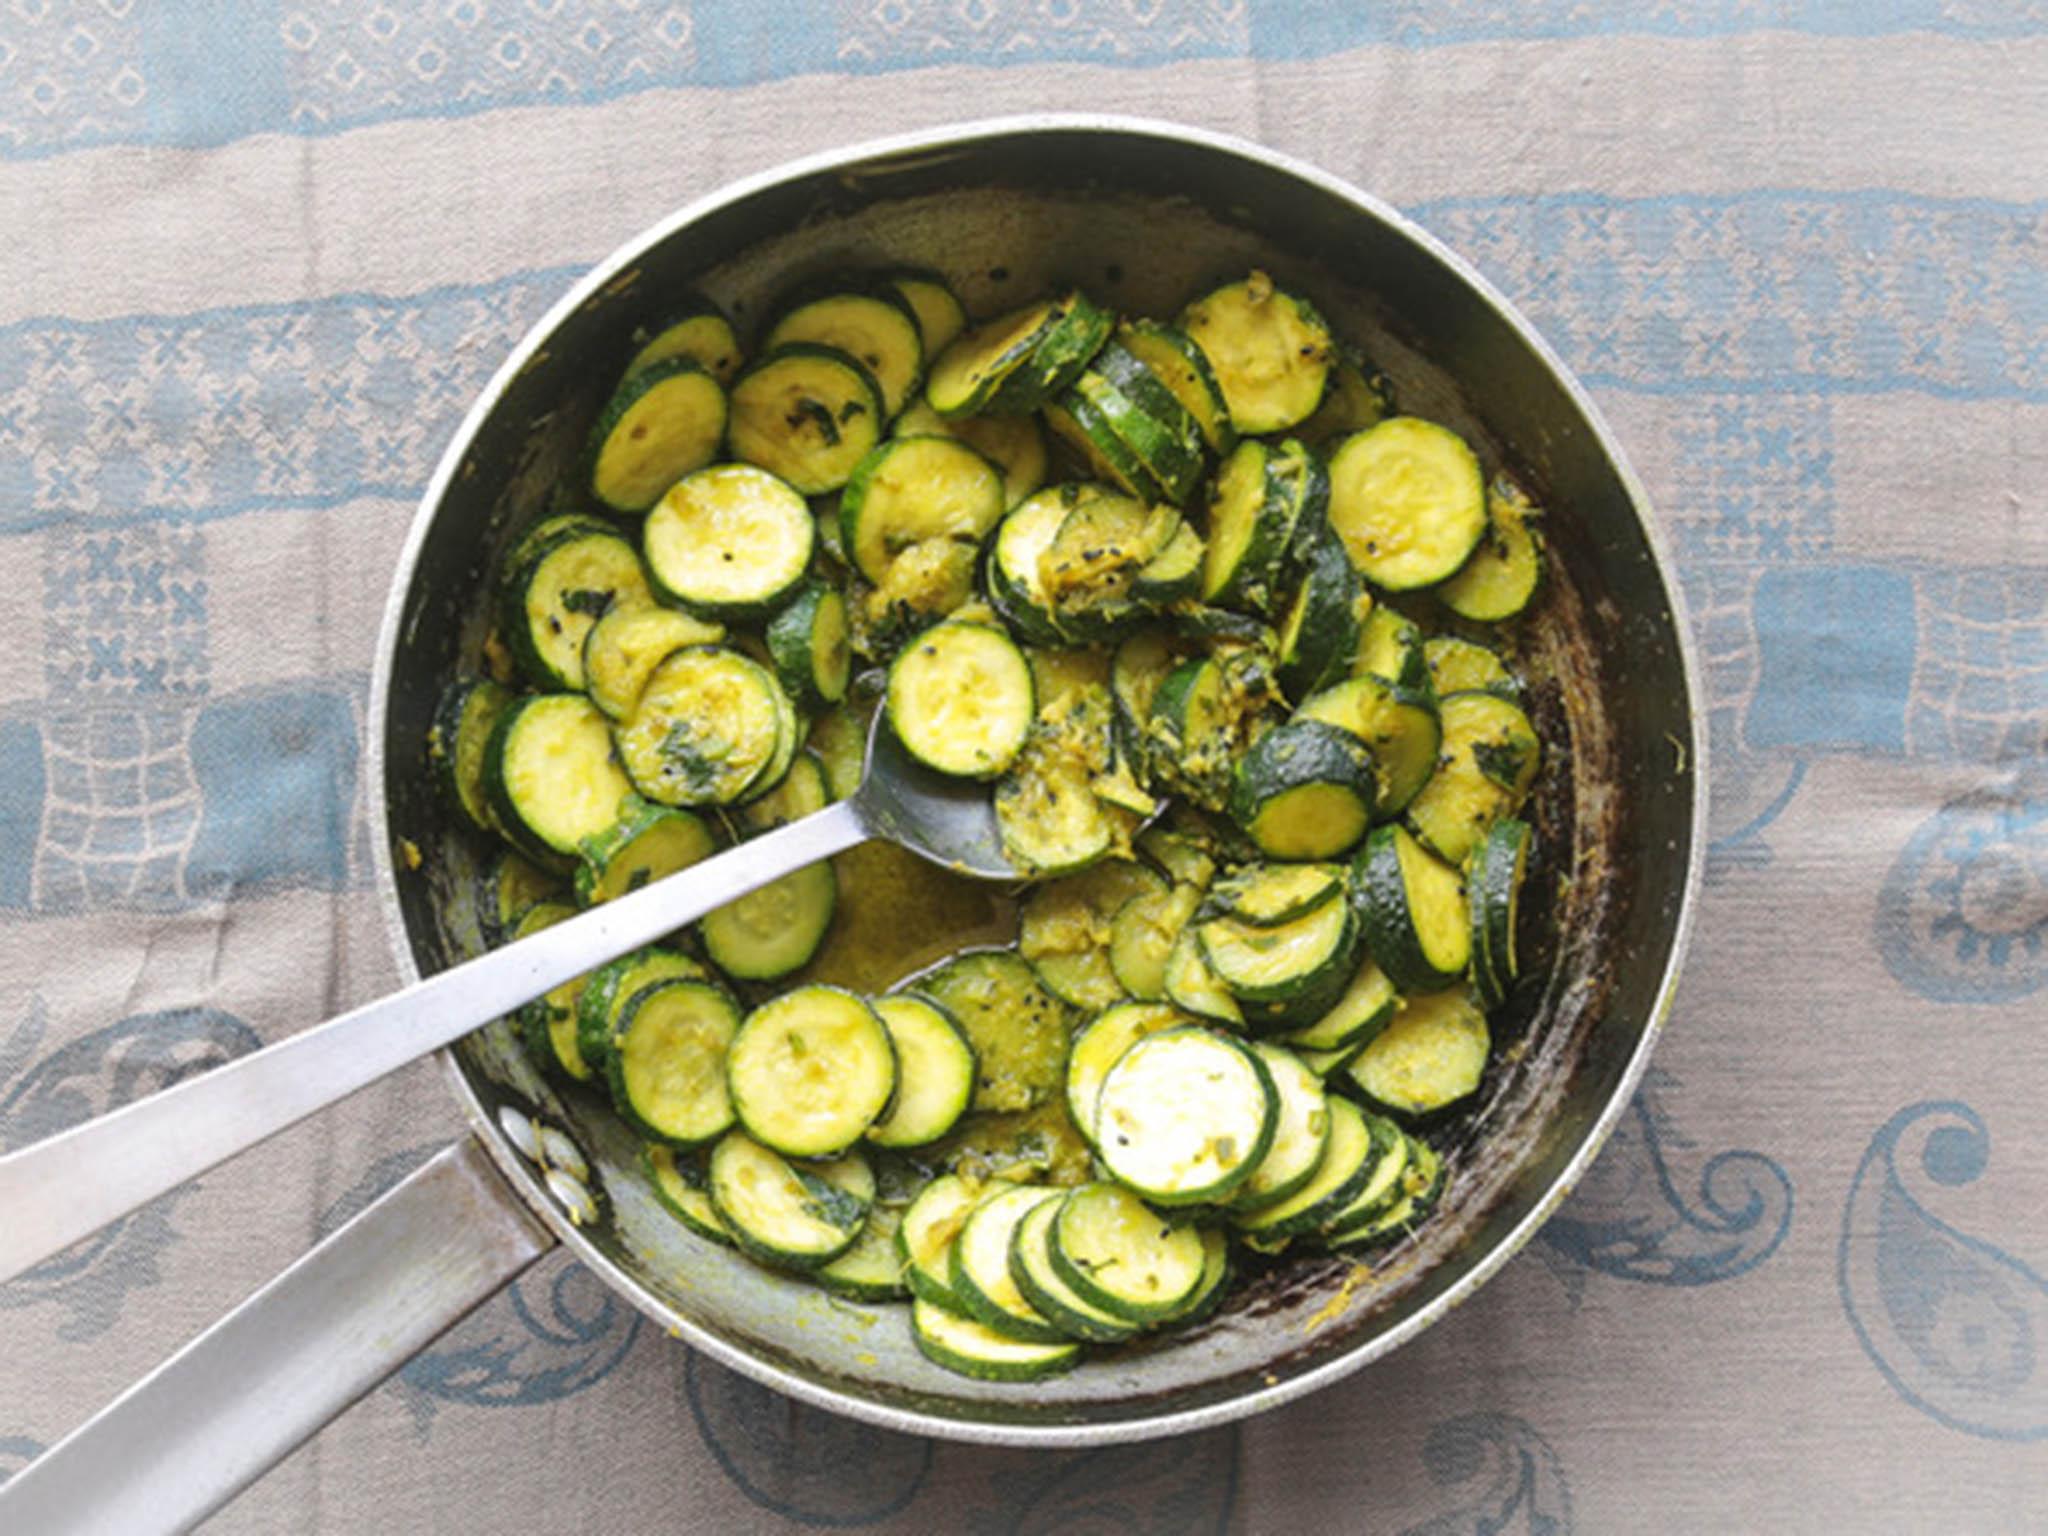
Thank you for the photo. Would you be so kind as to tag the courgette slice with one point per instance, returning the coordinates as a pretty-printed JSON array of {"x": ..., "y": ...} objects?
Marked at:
[
  {"x": 730, "y": 541},
  {"x": 774, "y": 929},
  {"x": 684, "y": 1191},
  {"x": 1301, "y": 1132},
  {"x": 1398, "y": 725},
  {"x": 1017, "y": 1028},
  {"x": 1183, "y": 370},
  {"x": 613, "y": 985},
  {"x": 1348, "y": 1162},
  {"x": 1190, "y": 984},
  {"x": 966, "y": 376},
  {"x": 459, "y": 743},
  {"x": 960, "y": 699},
  {"x": 806, "y": 414},
  {"x": 1265, "y": 895},
  {"x": 1321, "y": 624},
  {"x": 1357, "y": 396},
  {"x": 1287, "y": 962},
  {"x": 1458, "y": 665},
  {"x": 645, "y": 844},
  {"x": 1014, "y": 444},
  {"x": 1048, "y": 1293},
  {"x": 925, "y": 1239},
  {"x": 668, "y": 1059},
  {"x": 625, "y": 646},
  {"x": 696, "y": 329},
  {"x": 1383, "y": 1189},
  {"x": 1174, "y": 574},
  {"x": 1016, "y": 586},
  {"x": 912, "y": 491},
  {"x": 810, "y": 1071},
  {"x": 1214, "y": 1285},
  {"x": 1057, "y": 356},
  {"x": 967, "y": 1348},
  {"x": 507, "y": 886},
  {"x": 1184, "y": 1116},
  {"x": 1264, "y": 492},
  {"x": 795, "y": 1215},
  {"x": 1306, "y": 790},
  {"x": 1146, "y": 422},
  {"x": 1421, "y": 1181},
  {"x": 1141, "y": 938},
  {"x": 1100, "y": 1045},
  {"x": 1120, "y": 1255},
  {"x": 549, "y": 1021},
  {"x": 980, "y": 1277},
  {"x": 552, "y": 600},
  {"x": 1205, "y": 713},
  {"x": 708, "y": 729},
  {"x": 1270, "y": 349},
  {"x": 1064, "y": 929},
  {"x": 1432, "y": 1055},
  {"x": 1408, "y": 500},
  {"x": 1082, "y": 424},
  {"x": 1390, "y": 645},
  {"x": 872, "y": 323},
  {"x": 1141, "y": 663},
  {"x": 810, "y": 642},
  {"x": 1493, "y": 885},
  {"x": 1364, "y": 1008},
  {"x": 932, "y": 300},
  {"x": 1489, "y": 758},
  {"x": 872, "y": 1269},
  {"x": 935, "y": 1070},
  {"x": 839, "y": 740},
  {"x": 1088, "y": 571},
  {"x": 550, "y": 774},
  {"x": 663, "y": 422},
  {"x": 802, "y": 792},
  {"x": 1501, "y": 574},
  {"x": 1413, "y": 907},
  {"x": 1049, "y": 813}
]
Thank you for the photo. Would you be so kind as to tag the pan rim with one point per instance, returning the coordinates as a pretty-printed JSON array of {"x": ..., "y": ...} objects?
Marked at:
[{"x": 521, "y": 1177}]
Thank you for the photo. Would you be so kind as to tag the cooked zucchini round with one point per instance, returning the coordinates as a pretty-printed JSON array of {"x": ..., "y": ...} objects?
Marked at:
[
  {"x": 1356, "y": 396},
  {"x": 1413, "y": 904},
  {"x": 960, "y": 699},
  {"x": 1284, "y": 962},
  {"x": 810, "y": 1071},
  {"x": 935, "y": 1069},
  {"x": 610, "y": 987},
  {"x": 1301, "y": 1131},
  {"x": 1493, "y": 889},
  {"x": 1432, "y": 1054},
  {"x": 1266, "y": 895},
  {"x": 683, "y": 1190},
  {"x": 1042, "y": 1285},
  {"x": 1269, "y": 348},
  {"x": 1457, "y": 665},
  {"x": 647, "y": 843},
  {"x": 1320, "y": 626},
  {"x": 1408, "y": 500},
  {"x": 937, "y": 309},
  {"x": 668, "y": 1060},
  {"x": 803, "y": 791},
  {"x": 810, "y": 642},
  {"x": 697, "y": 330},
  {"x": 1124, "y": 1257},
  {"x": 806, "y": 414},
  {"x": 1263, "y": 493},
  {"x": 1190, "y": 984},
  {"x": 872, "y": 1269},
  {"x": 625, "y": 646},
  {"x": 730, "y": 541},
  {"x": 1063, "y": 929},
  {"x": 774, "y": 929},
  {"x": 549, "y": 1021},
  {"x": 1349, "y": 1158},
  {"x": 1141, "y": 937},
  {"x": 1014, "y": 444},
  {"x": 980, "y": 1277},
  {"x": 460, "y": 741},
  {"x": 1101, "y": 1044},
  {"x": 1398, "y": 725},
  {"x": 1360, "y": 1012},
  {"x": 554, "y": 598},
  {"x": 1489, "y": 758},
  {"x": 665, "y": 421},
  {"x": 1500, "y": 576},
  {"x": 1184, "y": 1116},
  {"x": 549, "y": 772},
  {"x": 968, "y": 1348},
  {"x": 797, "y": 1215},
  {"x": 1017, "y": 1028},
  {"x": 931, "y": 1223},
  {"x": 1306, "y": 790},
  {"x": 912, "y": 491},
  {"x": 966, "y": 377},
  {"x": 1390, "y": 646},
  {"x": 873, "y": 323},
  {"x": 709, "y": 727}
]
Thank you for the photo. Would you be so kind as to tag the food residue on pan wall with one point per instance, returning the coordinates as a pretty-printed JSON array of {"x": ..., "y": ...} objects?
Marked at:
[{"x": 1340, "y": 1303}]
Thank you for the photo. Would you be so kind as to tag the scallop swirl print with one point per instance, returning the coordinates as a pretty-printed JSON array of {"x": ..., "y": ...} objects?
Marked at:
[
  {"x": 1505, "y": 1477},
  {"x": 1954, "y": 1324},
  {"x": 1184, "y": 1485}
]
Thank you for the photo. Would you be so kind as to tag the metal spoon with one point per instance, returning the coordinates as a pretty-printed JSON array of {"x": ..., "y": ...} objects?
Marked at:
[{"x": 70, "y": 1185}]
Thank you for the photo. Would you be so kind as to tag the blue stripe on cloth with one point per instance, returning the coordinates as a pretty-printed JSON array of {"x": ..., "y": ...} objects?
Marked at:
[{"x": 204, "y": 72}]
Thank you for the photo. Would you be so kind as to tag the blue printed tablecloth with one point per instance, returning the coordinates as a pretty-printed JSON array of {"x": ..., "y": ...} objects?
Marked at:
[{"x": 261, "y": 253}]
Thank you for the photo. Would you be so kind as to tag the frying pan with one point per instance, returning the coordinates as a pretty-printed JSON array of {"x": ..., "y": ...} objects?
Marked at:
[{"x": 1143, "y": 213}]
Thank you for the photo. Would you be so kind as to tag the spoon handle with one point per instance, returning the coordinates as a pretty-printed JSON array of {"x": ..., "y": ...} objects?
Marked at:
[{"x": 66, "y": 1187}]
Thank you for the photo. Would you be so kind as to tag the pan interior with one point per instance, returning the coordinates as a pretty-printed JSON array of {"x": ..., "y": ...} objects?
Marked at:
[{"x": 1143, "y": 221}]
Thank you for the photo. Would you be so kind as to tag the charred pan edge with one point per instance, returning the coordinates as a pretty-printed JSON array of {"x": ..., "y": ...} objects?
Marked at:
[{"x": 853, "y": 166}]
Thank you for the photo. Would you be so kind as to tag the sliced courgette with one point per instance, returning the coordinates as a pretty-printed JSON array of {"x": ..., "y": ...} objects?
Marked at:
[
  {"x": 1361, "y": 1011},
  {"x": 1190, "y": 984},
  {"x": 1265, "y": 895},
  {"x": 1301, "y": 1132},
  {"x": 1489, "y": 758},
  {"x": 710, "y": 727},
  {"x": 1349, "y": 1158},
  {"x": 1408, "y": 500},
  {"x": 1048, "y": 1293},
  {"x": 1064, "y": 929},
  {"x": 1320, "y": 626},
  {"x": 811, "y": 645},
  {"x": 872, "y": 1269},
  {"x": 459, "y": 742},
  {"x": 1390, "y": 645},
  {"x": 1413, "y": 907},
  {"x": 806, "y": 414},
  {"x": 1270, "y": 349},
  {"x": 1290, "y": 962},
  {"x": 550, "y": 773},
  {"x": 1014, "y": 444},
  {"x": 1058, "y": 354},
  {"x": 1463, "y": 666},
  {"x": 1183, "y": 370},
  {"x": 925, "y": 1239},
  {"x": 935, "y": 1070},
  {"x": 661, "y": 423},
  {"x": 1146, "y": 423},
  {"x": 932, "y": 300},
  {"x": 1185, "y": 1116},
  {"x": 552, "y": 600},
  {"x": 1204, "y": 715},
  {"x": 1017, "y": 1028},
  {"x": 774, "y": 929},
  {"x": 1100, "y": 1045},
  {"x": 668, "y": 1058},
  {"x": 1124, "y": 1257},
  {"x": 1016, "y": 586},
  {"x": 967, "y": 1348},
  {"x": 803, "y": 790},
  {"x": 1306, "y": 790},
  {"x": 507, "y": 886},
  {"x": 1357, "y": 396},
  {"x": 1141, "y": 938},
  {"x": 1421, "y": 1181},
  {"x": 1384, "y": 1188},
  {"x": 980, "y": 1276},
  {"x": 684, "y": 1191},
  {"x": 810, "y": 1071},
  {"x": 967, "y": 375},
  {"x": 611, "y": 986},
  {"x": 1263, "y": 493},
  {"x": 1501, "y": 574},
  {"x": 1214, "y": 1285},
  {"x": 871, "y": 322},
  {"x": 730, "y": 541},
  {"x": 645, "y": 844},
  {"x": 696, "y": 329},
  {"x": 1398, "y": 725},
  {"x": 960, "y": 699},
  {"x": 625, "y": 646},
  {"x": 1493, "y": 886},
  {"x": 912, "y": 491},
  {"x": 798, "y": 1215},
  {"x": 549, "y": 1021},
  {"x": 1432, "y": 1054}
]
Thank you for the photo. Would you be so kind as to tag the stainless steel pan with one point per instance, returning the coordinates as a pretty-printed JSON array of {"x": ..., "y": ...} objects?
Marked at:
[{"x": 1142, "y": 213}]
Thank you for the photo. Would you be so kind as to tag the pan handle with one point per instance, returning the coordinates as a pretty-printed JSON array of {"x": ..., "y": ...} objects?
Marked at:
[{"x": 243, "y": 1395}]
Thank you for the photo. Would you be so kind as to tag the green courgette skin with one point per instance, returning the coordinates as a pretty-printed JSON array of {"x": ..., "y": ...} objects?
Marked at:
[
  {"x": 1493, "y": 882},
  {"x": 1382, "y": 904}
]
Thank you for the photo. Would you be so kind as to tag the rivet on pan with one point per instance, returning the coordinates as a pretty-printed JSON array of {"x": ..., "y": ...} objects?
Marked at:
[
  {"x": 519, "y": 1131},
  {"x": 573, "y": 1197},
  {"x": 558, "y": 1151}
]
